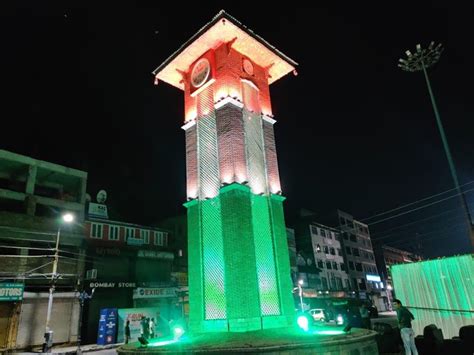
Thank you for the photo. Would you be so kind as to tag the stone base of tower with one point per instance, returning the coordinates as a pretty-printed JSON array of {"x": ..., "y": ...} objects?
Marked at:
[
  {"x": 239, "y": 272},
  {"x": 327, "y": 340}
]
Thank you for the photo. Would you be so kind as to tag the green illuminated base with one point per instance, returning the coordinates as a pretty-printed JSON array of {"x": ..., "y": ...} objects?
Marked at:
[
  {"x": 323, "y": 340},
  {"x": 239, "y": 272}
]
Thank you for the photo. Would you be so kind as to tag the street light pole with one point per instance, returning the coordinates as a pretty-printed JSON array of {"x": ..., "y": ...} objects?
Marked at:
[
  {"x": 48, "y": 333},
  {"x": 300, "y": 291},
  {"x": 420, "y": 61}
]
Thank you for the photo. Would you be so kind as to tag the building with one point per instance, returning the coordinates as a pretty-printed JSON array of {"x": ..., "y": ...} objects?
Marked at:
[
  {"x": 386, "y": 257},
  {"x": 236, "y": 227},
  {"x": 329, "y": 258},
  {"x": 359, "y": 257},
  {"x": 320, "y": 244},
  {"x": 33, "y": 196},
  {"x": 130, "y": 267}
]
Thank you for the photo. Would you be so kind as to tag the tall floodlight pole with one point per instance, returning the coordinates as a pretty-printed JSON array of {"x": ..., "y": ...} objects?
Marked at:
[{"x": 422, "y": 59}]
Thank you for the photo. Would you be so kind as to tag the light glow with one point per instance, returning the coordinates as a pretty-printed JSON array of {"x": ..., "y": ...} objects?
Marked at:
[
  {"x": 328, "y": 332},
  {"x": 375, "y": 278},
  {"x": 303, "y": 323},
  {"x": 68, "y": 217}
]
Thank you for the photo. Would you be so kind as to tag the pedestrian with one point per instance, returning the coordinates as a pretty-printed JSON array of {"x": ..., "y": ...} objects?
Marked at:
[
  {"x": 364, "y": 315},
  {"x": 127, "y": 332},
  {"x": 142, "y": 327},
  {"x": 405, "y": 317},
  {"x": 146, "y": 328},
  {"x": 152, "y": 328}
]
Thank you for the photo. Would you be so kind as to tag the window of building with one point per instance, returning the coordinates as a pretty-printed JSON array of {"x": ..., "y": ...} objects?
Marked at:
[
  {"x": 348, "y": 251},
  {"x": 338, "y": 283},
  {"x": 159, "y": 240},
  {"x": 371, "y": 256},
  {"x": 343, "y": 221},
  {"x": 358, "y": 266},
  {"x": 318, "y": 248},
  {"x": 365, "y": 255},
  {"x": 329, "y": 235},
  {"x": 353, "y": 238},
  {"x": 355, "y": 252},
  {"x": 339, "y": 252},
  {"x": 129, "y": 232},
  {"x": 320, "y": 264},
  {"x": 334, "y": 265},
  {"x": 345, "y": 236},
  {"x": 314, "y": 230},
  {"x": 326, "y": 249},
  {"x": 351, "y": 265},
  {"x": 165, "y": 239},
  {"x": 328, "y": 265},
  {"x": 323, "y": 232},
  {"x": 343, "y": 267},
  {"x": 325, "y": 283},
  {"x": 97, "y": 230},
  {"x": 337, "y": 236},
  {"x": 347, "y": 284},
  {"x": 145, "y": 235},
  {"x": 114, "y": 232},
  {"x": 332, "y": 251}
]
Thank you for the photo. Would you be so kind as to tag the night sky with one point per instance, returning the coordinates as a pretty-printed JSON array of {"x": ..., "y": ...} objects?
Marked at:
[{"x": 354, "y": 132}]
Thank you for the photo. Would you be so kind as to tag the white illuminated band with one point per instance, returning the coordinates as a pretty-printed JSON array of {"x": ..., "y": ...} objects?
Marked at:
[
  {"x": 228, "y": 100},
  {"x": 188, "y": 125},
  {"x": 268, "y": 119},
  {"x": 206, "y": 85},
  {"x": 251, "y": 83}
]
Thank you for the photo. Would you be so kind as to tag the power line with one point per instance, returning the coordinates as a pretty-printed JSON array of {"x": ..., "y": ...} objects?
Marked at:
[
  {"x": 24, "y": 248},
  {"x": 443, "y": 230},
  {"x": 414, "y": 222},
  {"x": 397, "y": 233},
  {"x": 420, "y": 200},
  {"x": 456, "y": 226},
  {"x": 417, "y": 208},
  {"x": 27, "y": 256},
  {"x": 26, "y": 231}
]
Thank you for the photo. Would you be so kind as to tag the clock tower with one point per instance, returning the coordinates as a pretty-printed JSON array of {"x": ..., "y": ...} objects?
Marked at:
[{"x": 239, "y": 272}]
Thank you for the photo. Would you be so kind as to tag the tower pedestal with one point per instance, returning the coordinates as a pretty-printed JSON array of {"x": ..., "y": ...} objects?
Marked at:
[{"x": 237, "y": 245}]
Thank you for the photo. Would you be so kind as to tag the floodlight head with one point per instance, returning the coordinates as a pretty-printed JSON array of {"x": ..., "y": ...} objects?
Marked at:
[{"x": 68, "y": 217}]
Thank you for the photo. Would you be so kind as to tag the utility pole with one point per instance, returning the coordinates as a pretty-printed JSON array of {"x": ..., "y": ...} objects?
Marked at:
[
  {"x": 422, "y": 59},
  {"x": 82, "y": 296},
  {"x": 48, "y": 333}
]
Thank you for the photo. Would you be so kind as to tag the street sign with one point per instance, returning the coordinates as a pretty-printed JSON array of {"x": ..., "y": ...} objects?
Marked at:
[{"x": 11, "y": 292}]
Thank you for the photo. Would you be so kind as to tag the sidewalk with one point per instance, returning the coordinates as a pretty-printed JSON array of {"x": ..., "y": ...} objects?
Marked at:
[{"x": 72, "y": 349}]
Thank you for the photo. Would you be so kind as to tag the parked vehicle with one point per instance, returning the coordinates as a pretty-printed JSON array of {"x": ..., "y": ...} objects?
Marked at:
[{"x": 317, "y": 314}]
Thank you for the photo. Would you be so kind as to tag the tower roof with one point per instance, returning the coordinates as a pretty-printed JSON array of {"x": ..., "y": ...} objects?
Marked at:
[{"x": 224, "y": 28}]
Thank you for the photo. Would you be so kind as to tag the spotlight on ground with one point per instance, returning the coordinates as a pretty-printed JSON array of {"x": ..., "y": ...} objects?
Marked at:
[
  {"x": 178, "y": 331},
  {"x": 303, "y": 323}
]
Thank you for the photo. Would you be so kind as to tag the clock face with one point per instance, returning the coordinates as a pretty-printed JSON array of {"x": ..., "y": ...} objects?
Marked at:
[
  {"x": 200, "y": 72},
  {"x": 248, "y": 66}
]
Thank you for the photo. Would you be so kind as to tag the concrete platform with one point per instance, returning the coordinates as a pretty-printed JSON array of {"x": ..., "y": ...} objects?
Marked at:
[{"x": 321, "y": 340}]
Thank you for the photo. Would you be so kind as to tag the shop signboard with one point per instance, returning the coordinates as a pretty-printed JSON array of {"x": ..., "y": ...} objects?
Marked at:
[
  {"x": 107, "y": 326},
  {"x": 154, "y": 292},
  {"x": 136, "y": 316},
  {"x": 11, "y": 291}
]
